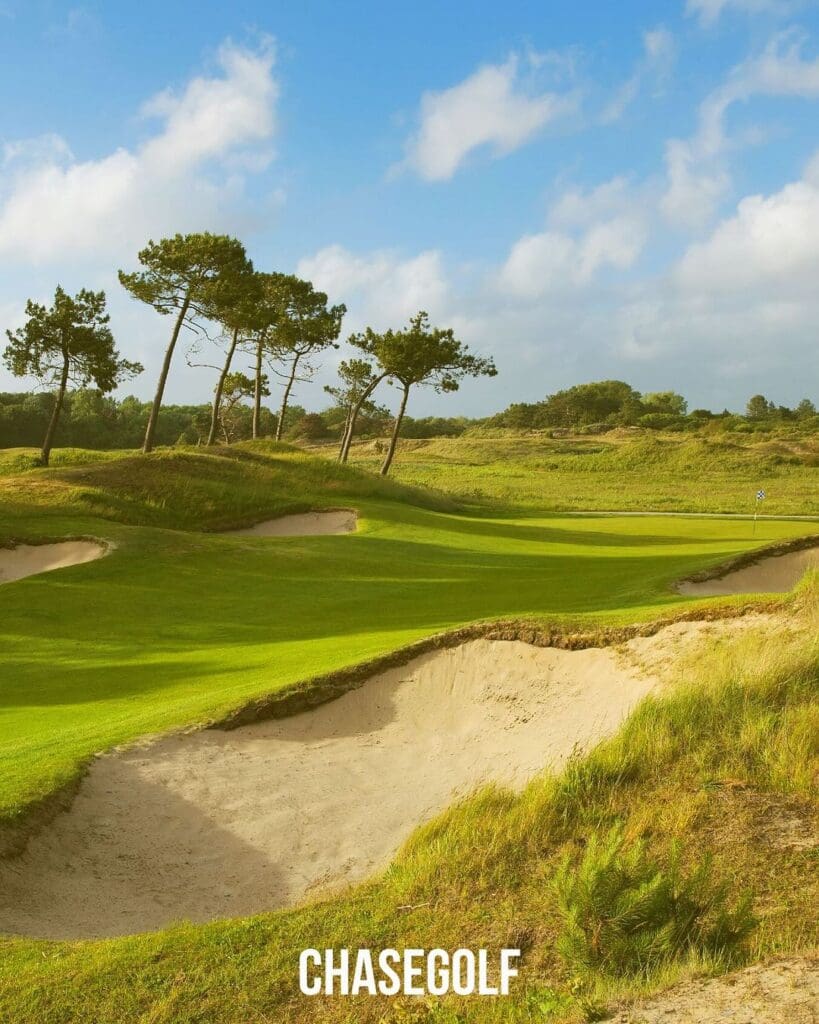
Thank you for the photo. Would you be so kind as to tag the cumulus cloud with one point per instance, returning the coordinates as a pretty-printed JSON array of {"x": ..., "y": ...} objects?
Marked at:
[
  {"x": 541, "y": 263},
  {"x": 588, "y": 230},
  {"x": 697, "y": 178},
  {"x": 380, "y": 289},
  {"x": 742, "y": 302},
  {"x": 53, "y": 206},
  {"x": 770, "y": 244},
  {"x": 492, "y": 107}
]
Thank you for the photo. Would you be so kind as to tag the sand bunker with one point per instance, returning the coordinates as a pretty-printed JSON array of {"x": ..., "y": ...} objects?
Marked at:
[
  {"x": 775, "y": 574},
  {"x": 216, "y": 824},
  {"x": 783, "y": 992},
  {"x": 30, "y": 559},
  {"x": 307, "y": 524}
]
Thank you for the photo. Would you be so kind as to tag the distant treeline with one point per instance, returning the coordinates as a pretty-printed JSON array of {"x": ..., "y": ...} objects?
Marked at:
[
  {"x": 93, "y": 420},
  {"x": 603, "y": 405}
]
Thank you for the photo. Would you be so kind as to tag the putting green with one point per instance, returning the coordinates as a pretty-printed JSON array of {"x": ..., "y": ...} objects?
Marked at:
[{"x": 178, "y": 626}]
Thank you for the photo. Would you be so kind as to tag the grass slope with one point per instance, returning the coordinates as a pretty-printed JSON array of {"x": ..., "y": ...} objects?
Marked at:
[
  {"x": 622, "y": 470},
  {"x": 725, "y": 762},
  {"x": 180, "y": 625}
]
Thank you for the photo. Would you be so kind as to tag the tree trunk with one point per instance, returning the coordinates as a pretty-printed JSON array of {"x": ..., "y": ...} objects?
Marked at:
[
  {"x": 257, "y": 390},
  {"x": 347, "y": 421},
  {"x": 285, "y": 398},
  {"x": 347, "y": 440},
  {"x": 394, "y": 439},
  {"x": 45, "y": 452},
  {"x": 220, "y": 387},
  {"x": 150, "y": 430}
]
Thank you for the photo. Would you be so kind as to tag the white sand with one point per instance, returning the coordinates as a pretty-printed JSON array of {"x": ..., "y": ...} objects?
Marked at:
[
  {"x": 783, "y": 992},
  {"x": 775, "y": 574},
  {"x": 30, "y": 559},
  {"x": 215, "y": 824},
  {"x": 308, "y": 524}
]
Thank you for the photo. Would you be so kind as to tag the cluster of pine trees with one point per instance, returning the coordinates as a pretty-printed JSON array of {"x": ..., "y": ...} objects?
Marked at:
[{"x": 205, "y": 281}]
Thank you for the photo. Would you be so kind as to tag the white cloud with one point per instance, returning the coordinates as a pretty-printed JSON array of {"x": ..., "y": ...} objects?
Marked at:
[
  {"x": 490, "y": 108},
  {"x": 380, "y": 289},
  {"x": 709, "y": 11},
  {"x": 588, "y": 230},
  {"x": 697, "y": 179},
  {"x": 578, "y": 207},
  {"x": 551, "y": 260},
  {"x": 659, "y": 52},
  {"x": 742, "y": 304},
  {"x": 770, "y": 245},
  {"x": 53, "y": 206}
]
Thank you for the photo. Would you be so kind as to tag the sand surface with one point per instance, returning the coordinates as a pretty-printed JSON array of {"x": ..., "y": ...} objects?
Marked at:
[
  {"x": 216, "y": 824},
  {"x": 783, "y": 992},
  {"x": 773, "y": 575},
  {"x": 307, "y": 524},
  {"x": 30, "y": 559}
]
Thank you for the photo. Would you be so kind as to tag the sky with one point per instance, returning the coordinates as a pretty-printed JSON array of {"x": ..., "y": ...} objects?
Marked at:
[{"x": 582, "y": 191}]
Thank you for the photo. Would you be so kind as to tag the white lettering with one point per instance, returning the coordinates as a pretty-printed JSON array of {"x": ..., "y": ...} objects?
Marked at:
[
  {"x": 314, "y": 988},
  {"x": 412, "y": 971},
  {"x": 506, "y": 971},
  {"x": 484, "y": 988},
  {"x": 463, "y": 972},
  {"x": 386, "y": 958},
  {"x": 342, "y": 972},
  {"x": 364, "y": 976},
  {"x": 437, "y": 981}
]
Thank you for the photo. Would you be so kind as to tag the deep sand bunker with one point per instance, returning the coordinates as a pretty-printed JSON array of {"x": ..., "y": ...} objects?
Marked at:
[
  {"x": 774, "y": 574},
  {"x": 223, "y": 823},
  {"x": 306, "y": 524},
  {"x": 30, "y": 559}
]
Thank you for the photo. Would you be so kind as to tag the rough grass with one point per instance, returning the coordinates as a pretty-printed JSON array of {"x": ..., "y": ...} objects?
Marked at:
[
  {"x": 724, "y": 762},
  {"x": 622, "y": 471}
]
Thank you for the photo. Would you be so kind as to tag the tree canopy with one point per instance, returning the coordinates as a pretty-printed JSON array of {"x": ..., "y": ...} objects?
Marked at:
[
  {"x": 420, "y": 355},
  {"x": 196, "y": 276},
  {"x": 68, "y": 342}
]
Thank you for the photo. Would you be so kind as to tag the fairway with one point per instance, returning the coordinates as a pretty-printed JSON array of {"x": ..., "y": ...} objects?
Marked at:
[{"x": 178, "y": 626}]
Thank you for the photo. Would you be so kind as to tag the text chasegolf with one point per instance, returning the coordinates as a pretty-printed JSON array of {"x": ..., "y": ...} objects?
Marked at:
[{"x": 409, "y": 972}]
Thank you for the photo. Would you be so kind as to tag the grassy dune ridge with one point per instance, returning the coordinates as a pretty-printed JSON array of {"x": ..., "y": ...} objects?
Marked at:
[{"x": 625, "y": 470}]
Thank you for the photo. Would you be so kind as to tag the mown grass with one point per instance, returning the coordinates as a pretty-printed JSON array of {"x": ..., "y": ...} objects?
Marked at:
[
  {"x": 621, "y": 471},
  {"x": 724, "y": 762},
  {"x": 178, "y": 625}
]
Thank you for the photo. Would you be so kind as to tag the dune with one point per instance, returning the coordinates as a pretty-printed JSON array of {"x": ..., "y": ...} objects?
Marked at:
[
  {"x": 306, "y": 524},
  {"x": 213, "y": 824},
  {"x": 30, "y": 559},
  {"x": 773, "y": 574}
]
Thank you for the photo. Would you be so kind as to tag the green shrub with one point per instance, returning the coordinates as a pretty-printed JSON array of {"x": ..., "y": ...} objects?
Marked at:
[{"x": 624, "y": 915}]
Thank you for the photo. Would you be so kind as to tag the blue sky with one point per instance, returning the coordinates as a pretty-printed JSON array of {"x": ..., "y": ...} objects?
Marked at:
[{"x": 583, "y": 191}]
